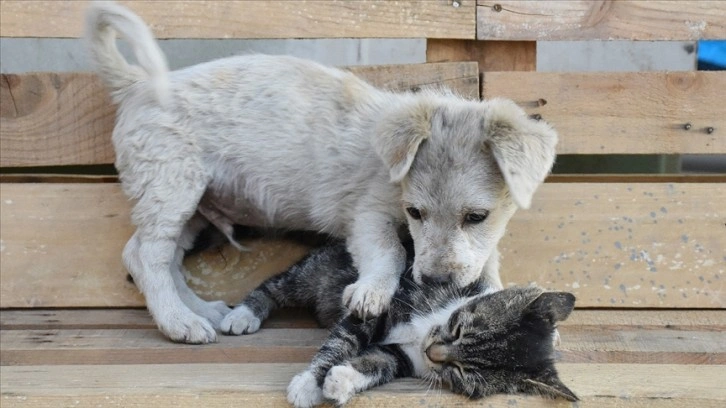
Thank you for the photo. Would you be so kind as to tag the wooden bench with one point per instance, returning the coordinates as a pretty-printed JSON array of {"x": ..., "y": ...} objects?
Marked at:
[{"x": 644, "y": 254}]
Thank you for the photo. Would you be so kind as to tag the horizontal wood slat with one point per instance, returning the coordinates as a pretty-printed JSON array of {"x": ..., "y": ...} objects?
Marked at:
[
  {"x": 256, "y": 19},
  {"x": 613, "y": 245},
  {"x": 628, "y": 113},
  {"x": 600, "y": 20},
  {"x": 263, "y": 385},
  {"x": 64, "y": 119},
  {"x": 52, "y": 119},
  {"x": 95, "y": 319},
  {"x": 148, "y": 346}
]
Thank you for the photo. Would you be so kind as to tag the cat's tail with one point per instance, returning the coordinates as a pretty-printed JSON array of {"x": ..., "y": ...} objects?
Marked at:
[{"x": 103, "y": 21}]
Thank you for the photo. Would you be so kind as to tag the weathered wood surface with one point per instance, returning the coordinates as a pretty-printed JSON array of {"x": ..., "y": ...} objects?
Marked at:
[
  {"x": 97, "y": 319},
  {"x": 256, "y": 19},
  {"x": 50, "y": 119},
  {"x": 263, "y": 385},
  {"x": 491, "y": 55},
  {"x": 630, "y": 113},
  {"x": 600, "y": 20},
  {"x": 615, "y": 244},
  {"x": 590, "y": 344},
  {"x": 54, "y": 119}
]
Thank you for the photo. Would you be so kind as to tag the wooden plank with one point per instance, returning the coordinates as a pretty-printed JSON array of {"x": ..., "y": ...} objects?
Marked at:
[
  {"x": 127, "y": 319},
  {"x": 600, "y": 20},
  {"x": 588, "y": 344},
  {"x": 256, "y": 19},
  {"x": 460, "y": 77},
  {"x": 53, "y": 119},
  {"x": 71, "y": 121},
  {"x": 628, "y": 113},
  {"x": 613, "y": 245},
  {"x": 491, "y": 55},
  {"x": 68, "y": 238},
  {"x": 96, "y": 319},
  {"x": 264, "y": 385}
]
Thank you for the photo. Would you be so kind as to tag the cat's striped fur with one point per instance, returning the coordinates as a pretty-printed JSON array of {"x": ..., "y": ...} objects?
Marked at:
[{"x": 476, "y": 342}]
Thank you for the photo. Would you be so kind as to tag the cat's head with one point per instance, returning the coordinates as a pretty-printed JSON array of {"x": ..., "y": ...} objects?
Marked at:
[{"x": 501, "y": 343}]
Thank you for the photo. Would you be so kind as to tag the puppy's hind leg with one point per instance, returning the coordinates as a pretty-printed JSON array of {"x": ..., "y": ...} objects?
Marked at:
[
  {"x": 151, "y": 255},
  {"x": 214, "y": 311}
]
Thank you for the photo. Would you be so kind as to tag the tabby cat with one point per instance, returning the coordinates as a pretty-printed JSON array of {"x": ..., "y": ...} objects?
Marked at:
[{"x": 476, "y": 341}]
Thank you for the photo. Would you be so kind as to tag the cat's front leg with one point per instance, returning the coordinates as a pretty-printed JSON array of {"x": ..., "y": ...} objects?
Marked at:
[
  {"x": 347, "y": 339},
  {"x": 376, "y": 366}
]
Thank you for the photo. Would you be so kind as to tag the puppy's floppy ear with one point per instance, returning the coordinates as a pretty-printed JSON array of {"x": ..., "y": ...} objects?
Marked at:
[
  {"x": 523, "y": 148},
  {"x": 399, "y": 135}
]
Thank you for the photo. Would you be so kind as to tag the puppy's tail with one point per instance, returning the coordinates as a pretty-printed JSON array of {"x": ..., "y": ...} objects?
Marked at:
[{"x": 105, "y": 19}]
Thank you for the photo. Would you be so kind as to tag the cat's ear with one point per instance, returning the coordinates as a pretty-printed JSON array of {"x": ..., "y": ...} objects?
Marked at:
[
  {"x": 550, "y": 387},
  {"x": 554, "y": 306}
]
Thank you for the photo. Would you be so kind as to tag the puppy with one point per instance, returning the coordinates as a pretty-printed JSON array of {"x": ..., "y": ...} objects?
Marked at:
[{"x": 287, "y": 143}]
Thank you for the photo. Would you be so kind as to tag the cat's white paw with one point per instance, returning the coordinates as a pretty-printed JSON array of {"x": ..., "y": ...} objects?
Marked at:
[
  {"x": 303, "y": 391},
  {"x": 369, "y": 298},
  {"x": 342, "y": 382},
  {"x": 241, "y": 320}
]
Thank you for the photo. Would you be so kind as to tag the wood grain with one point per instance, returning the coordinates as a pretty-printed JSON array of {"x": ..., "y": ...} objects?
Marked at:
[
  {"x": 137, "y": 318},
  {"x": 256, "y": 19},
  {"x": 600, "y": 20},
  {"x": 53, "y": 119},
  {"x": 65, "y": 119},
  {"x": 613, "y": 319},
  {"x": 263, "y": 385},
  {"x": 148, "y": 346},
  {"x": 631, "y": 113},
  {"x": 491, "y": 55},
  {"x": 611, "y": 244}
]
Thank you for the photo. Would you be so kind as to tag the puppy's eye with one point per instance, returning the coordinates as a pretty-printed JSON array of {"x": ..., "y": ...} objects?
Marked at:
[
  {"x": 414, "y": 213},
  {"x": 476, "y": 218}
]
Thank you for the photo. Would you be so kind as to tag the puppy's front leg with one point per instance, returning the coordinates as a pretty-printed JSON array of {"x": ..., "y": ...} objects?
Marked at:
[{"x": 380, "y": 259}]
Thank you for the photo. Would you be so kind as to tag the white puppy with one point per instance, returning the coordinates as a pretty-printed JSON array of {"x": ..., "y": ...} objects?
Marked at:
[{"x": 283, "y": 142}]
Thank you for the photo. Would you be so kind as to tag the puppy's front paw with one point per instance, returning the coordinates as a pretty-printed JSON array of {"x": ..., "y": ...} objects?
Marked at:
[
  {"x": 303, "y": 391},
  {"x": 341, "y": 384},
  {"x": 367, "y": 299},
  {"x": 186, "y": 327},
  {"x": 241, "y": 320}
]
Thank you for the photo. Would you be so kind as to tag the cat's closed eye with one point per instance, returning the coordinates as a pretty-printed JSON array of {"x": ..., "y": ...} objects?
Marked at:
[{"x": 456, "y": 333}]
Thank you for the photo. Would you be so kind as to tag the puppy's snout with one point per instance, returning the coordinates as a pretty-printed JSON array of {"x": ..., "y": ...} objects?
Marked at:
[{"x": 435, "y": 279}]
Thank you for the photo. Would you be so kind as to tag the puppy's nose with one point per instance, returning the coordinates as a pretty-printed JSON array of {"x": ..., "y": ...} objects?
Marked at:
[{"x": 434, "y": 280}]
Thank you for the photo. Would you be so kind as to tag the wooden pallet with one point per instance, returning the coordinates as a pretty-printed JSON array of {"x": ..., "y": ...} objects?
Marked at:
[{"x": 644, "y": 254}]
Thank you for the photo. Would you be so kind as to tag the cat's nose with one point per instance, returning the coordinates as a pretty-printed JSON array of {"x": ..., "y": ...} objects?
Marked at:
[
  {"x": 435, "y": 279},
  {"x": 437, "y": 353}
]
